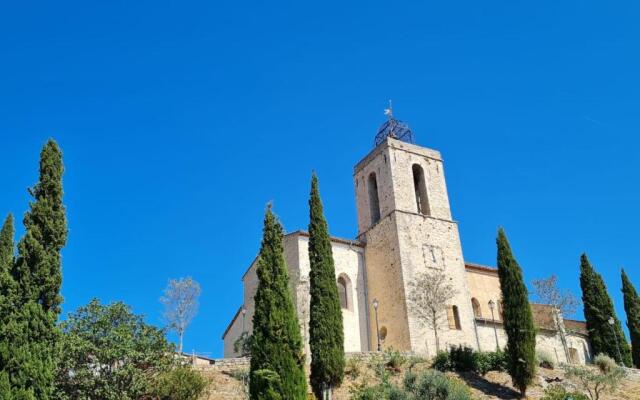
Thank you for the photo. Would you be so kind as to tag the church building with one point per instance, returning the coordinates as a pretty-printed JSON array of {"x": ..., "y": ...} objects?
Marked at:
[{"x": 405, "y": 226}]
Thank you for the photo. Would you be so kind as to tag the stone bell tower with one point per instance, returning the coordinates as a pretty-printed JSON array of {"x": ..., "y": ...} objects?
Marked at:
[{"x": 405, "y": 221}]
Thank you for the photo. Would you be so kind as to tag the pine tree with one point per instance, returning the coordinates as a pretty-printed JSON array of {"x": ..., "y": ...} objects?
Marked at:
[
  {"x": 518, "y": 319},
  {"x": 598, "y": 310},
  {"x": 632, "y": 308},
  {"x": 30, "y": 359},
  {"x": 326, "y": 334},
  {"x": 276, "y": 344}
]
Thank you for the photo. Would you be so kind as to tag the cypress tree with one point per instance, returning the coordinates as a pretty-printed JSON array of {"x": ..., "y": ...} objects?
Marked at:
[
  {"x": 276, "y": 344},
  {"x": 632, "y": 308},
  {"x": 598, "y": 309},
  {"x": 6, "y": 289},
  {"x": 326, "y": 334},
  {"x": 518, "y": 319},
  {"x": 30, "y": 359}
]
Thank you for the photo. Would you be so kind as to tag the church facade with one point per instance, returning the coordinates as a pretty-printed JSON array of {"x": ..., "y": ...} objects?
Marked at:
[{"x": 405, "y": 226}]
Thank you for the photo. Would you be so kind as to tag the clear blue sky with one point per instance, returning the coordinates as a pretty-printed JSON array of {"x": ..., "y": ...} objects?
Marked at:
[{"x": 179, "y": 121}]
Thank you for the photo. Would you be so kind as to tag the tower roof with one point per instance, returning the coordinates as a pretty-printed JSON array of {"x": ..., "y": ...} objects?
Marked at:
[{"x": 393, "y": 128}]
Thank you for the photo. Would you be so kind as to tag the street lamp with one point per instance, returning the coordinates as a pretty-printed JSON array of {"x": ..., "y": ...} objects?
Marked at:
[
  {"x": 244, "y": 314},
  {"x": 612, "y": 322},
  {"x": 492, "y": 305},
  {"x": 375, "y": 308}
]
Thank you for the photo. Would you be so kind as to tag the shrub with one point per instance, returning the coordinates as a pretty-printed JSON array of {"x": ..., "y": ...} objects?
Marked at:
[
  {"x": 605, "y": 363},
  {"x": 497, "y": 361},
  {"x": 430, "y": 384},
  {"x": 463, "y": 358},
  {"x": 181, "y": 383},
  {"x": 545, "y": 360},
  {"x": 394, "y": 359},
  {"x": 442, "y": 362},
  {"x": 557, "y": 392},
  {"x": 268, "y": 383},
  {"x": 353, "y": 367}
]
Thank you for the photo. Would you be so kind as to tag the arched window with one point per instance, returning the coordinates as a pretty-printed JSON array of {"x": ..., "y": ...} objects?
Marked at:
[
  {"x": 374, "y": 204},
  {"x": 500, "y": 309},
  {"x": 422, "y": 202},
  {"x": 344, "y": 291},
  {"x": 453, "y": 315},
  {"x": 477, "y": 311}
]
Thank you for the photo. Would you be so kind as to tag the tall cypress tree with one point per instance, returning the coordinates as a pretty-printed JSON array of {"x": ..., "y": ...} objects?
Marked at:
[
  {"x": 518, "y": 319},
  {"x": 276, "y": 344},
  {"x": 6, "y": 303},
  {"x": 326, "y": 334},
  {"x": 30, "y": 360},
  {"x": 598, "y": 309},
  {"x": 632, "y": 308}
]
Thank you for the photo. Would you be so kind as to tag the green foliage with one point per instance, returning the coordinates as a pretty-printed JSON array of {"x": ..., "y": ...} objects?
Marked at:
[
  {"x": 545, "y": 360},
  {"x": 518, "y": 319},
  {"x": 181, "y": 383},
  {"x": 442, "y": 362},
  {"x": 394, "y": 359},
  {"x": 429, "y": 385},
  {"x": 268, "y": 384},
  {"x": 276, "y": 344},
  {"x": 353, "y": 367},
  {"x": 558, "y": 392},
  {"x": 598, "y": 308},
  {"x": 596, "y": 381},
  {"x": 326, "y": 334},
  {"x": 28, "y": 332},
  {"x": 107, "y": 352},
  {"x": 632, "y": 309},
  {"x": 462, "y": 358}
]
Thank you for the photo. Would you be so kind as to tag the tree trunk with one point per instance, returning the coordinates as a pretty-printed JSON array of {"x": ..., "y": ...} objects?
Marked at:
[
  {"x": 435, "y": 331},
  {"x": 180, "y": 342}
]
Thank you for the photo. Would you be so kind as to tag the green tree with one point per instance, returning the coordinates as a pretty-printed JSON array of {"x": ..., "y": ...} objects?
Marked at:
[
  {"x": 606, "y": 338},
  {"x": 632, "y": 308},
  {"x": 109, "y": 353},
  {"x": 518, "y": 319},
  {"x": 6, "y": 265},
  {"x": 276, "y": 344},
  {"x": 326, "y": 334},
  {"x": 30, "y": 331}
]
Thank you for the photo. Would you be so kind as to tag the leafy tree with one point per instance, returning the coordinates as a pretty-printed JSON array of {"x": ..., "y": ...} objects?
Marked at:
[
  {"x": 428, "y": 298},
  {"x": 518, "y": 319},
  {"x": 326, "y": 334},
  {"x": 180, "y": 383},
  {"x": 605, "y": 338},
  {"x": 563, "y": 303},
  {"x": 28, "y": 339},
  {"x": 276, "y": 344},
  {"x": 632, "y": 308},
  {"x": 180, "y": 305},
  {"x": 109, "y": 353}
]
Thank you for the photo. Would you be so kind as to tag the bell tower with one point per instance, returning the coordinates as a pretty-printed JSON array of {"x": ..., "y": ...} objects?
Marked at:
[{"x": 405, "y": 221}]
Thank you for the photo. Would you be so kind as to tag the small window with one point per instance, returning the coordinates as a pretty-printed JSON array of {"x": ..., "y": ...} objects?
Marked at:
[
  {"x": 374, "y": 203},
  {"x": 453, "y": 315},
  {"x": 477, "y": 311},
  {"x": 500, "y": 310},
  {"x": 342, "y": 293},
  {"x": 419, "y": 185}
]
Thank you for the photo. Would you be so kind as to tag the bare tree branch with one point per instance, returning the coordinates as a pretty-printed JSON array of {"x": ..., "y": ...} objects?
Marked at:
[
  {"x": 180, "y": 305},
  {"x": 428, "y": 298}
]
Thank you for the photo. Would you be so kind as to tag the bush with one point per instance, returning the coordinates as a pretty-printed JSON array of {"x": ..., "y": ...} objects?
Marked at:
[
  {"x": 432, "y": 385},
  {"x": 353, "y": 367},
  {"x": 442, "y": 362},
  {"x": 394, "y": 359},
  {"x": 490, "y": 361},
  {"x": 557, "y": 392},
  {"x": 463, "y": 358},
  {"x": 268, "y": 383},
  {"x": 605, "y": 363},
  {"x": 181, "y": 383},
  {"x": 545, "y": 360}
]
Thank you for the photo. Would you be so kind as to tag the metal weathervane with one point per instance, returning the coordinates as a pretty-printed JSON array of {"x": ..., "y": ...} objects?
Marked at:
[{"x": 393, "y": 128}]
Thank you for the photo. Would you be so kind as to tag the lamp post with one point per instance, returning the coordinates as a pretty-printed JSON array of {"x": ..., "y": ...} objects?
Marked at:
[
  {"x": 612, "y": 322},
  {"x": 244, "y": 314},
  {"x": 375, "y": 309},
  {"x": 492, "y": 305}
]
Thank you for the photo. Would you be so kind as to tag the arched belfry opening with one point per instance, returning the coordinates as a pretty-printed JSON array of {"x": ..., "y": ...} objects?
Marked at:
[
  {"x": 420, "y": 187},
  {"x": 374, "y": 203}
]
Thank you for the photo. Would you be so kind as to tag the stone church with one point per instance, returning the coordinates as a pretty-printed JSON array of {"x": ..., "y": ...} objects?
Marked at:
[{"x": 405, "y": 226}]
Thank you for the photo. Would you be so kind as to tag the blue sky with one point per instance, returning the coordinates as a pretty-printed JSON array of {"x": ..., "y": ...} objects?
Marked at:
[{"x": 179, "y": 121}]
